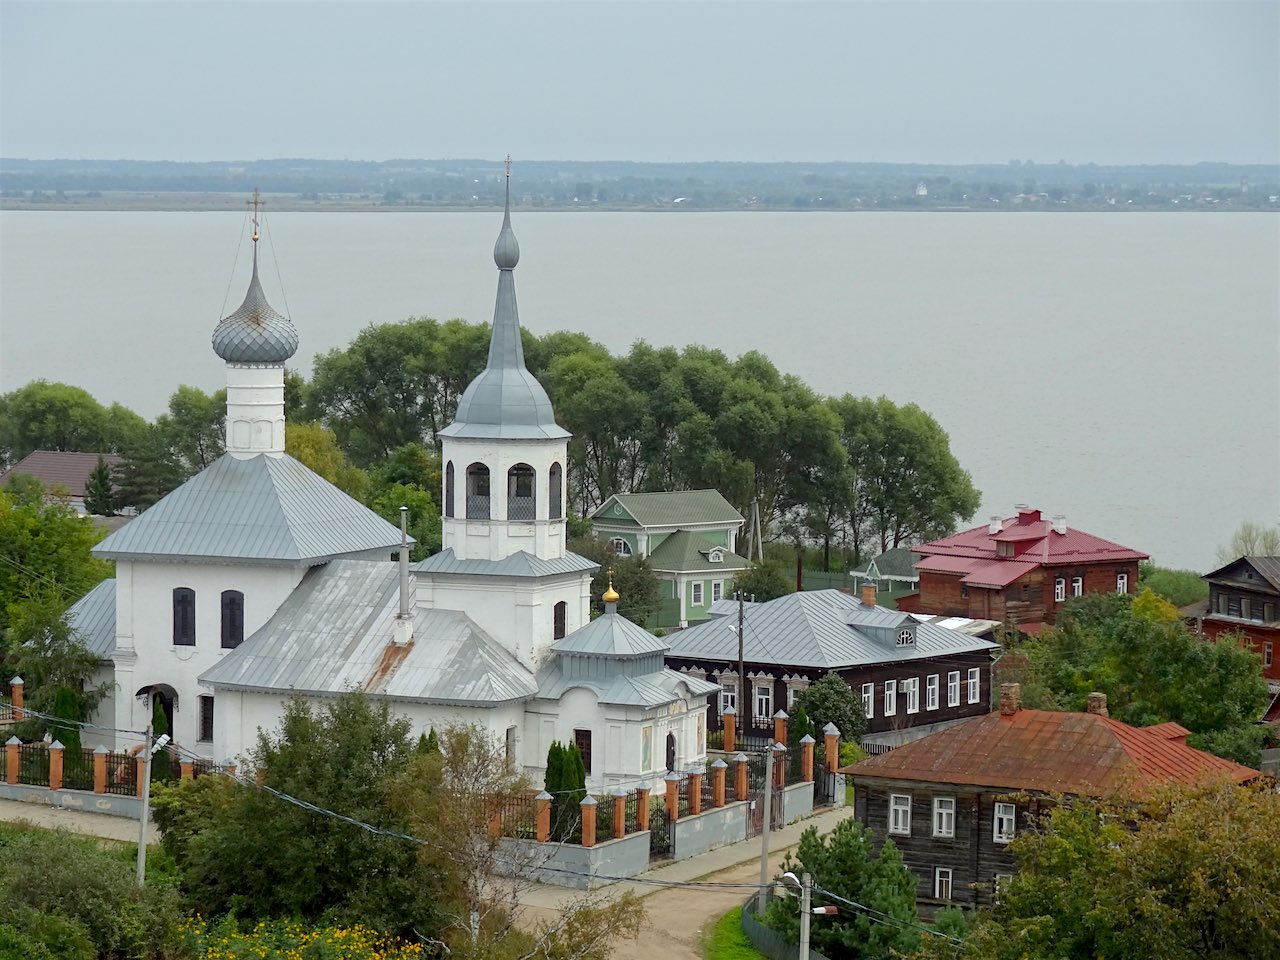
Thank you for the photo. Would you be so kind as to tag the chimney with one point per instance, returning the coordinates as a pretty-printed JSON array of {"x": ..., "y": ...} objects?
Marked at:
[
  {"x": 1098, "y": 704},
  {"x": 994, "y": 526},
  {"x": 868, "y": 594},
  {"x": 404, "y": 623},
  {"x": 1059, "y": 523},
  {"x": 1010, "y": 699},
  {"x": 1026, "y": 514}
]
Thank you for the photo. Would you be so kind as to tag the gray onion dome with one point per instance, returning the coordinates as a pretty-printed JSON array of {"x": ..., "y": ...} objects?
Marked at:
[{"x": 255, "y": 333}]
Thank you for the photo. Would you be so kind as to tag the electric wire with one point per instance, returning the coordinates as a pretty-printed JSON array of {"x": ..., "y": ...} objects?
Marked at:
[
  {"x": 231, "y": 279},
  {"x": 266, "y": 229}
]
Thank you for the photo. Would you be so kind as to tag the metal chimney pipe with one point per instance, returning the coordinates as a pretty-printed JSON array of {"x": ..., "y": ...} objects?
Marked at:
[{"x": 404, "y": 563}]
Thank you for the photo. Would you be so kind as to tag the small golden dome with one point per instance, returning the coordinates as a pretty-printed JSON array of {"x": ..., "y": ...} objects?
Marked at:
[{"x": 610, "y": 595}]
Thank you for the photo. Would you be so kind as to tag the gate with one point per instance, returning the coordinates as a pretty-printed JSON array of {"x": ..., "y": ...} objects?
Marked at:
[
  {"x": 824, "y": 785},
  {"x": 659, "y": 833},
  {"x": 755, "y": 794}
]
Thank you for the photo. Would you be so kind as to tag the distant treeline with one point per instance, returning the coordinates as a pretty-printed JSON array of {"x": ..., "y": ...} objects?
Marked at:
[{"x": 621, "y": 184}]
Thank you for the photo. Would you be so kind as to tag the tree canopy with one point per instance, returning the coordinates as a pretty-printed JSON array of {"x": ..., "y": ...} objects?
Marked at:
[
  {"x": 1250, "y": 539},
  {"x": 57, "y": 416},
  {"x": 832, "y": 700}
]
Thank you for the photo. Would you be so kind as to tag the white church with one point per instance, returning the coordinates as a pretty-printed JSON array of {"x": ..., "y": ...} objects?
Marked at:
[{"x": 258, "y": 580}]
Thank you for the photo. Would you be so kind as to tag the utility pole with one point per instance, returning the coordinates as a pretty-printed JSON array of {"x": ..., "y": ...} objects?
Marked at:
[
  {"x": 146, "y": 799},
  {"x": 768, "y": 811},
  {"x": 742, "y": 670},
  {"x": 806, "y": 913}
]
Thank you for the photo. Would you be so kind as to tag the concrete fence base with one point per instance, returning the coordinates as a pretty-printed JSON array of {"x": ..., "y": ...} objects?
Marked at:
[{"x": 111, "y": 804}]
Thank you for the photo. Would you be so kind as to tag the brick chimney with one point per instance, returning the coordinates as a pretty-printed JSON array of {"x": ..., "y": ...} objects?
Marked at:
[
  {"x": 868, "y": 594},
  {"x": 1027, "y": 515},
  {"x": 1098, "y": 704},
  {"x": 1010, "y": 699}
]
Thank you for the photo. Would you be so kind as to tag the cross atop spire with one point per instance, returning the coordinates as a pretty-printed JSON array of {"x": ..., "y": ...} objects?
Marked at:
[
  {"x": 508, "y": 165},
  {"x": 256, "y": 202}
]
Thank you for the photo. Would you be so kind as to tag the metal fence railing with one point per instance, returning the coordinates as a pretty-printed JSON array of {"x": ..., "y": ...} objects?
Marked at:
[
  {"x": 77, "y": 769},
  {"x": 122, "y": 774},
  {"x": 33, "y": 764},
  {"x": 766, "y": 940}
]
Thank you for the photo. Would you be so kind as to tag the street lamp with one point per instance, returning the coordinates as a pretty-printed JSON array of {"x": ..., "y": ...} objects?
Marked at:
[{"x": 805, "y": 884}]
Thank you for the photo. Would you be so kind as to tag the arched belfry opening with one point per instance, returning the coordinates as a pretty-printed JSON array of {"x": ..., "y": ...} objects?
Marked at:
[
  {"x": 448, "y": 489},
  {"x": 555, "y": 487},
  {"x": 520, "y": 492},
  {"x": 478, "y": 492}
]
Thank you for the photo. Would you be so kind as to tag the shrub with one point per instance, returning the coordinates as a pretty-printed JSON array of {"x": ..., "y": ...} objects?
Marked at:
[{"x": 290, "y": 940}]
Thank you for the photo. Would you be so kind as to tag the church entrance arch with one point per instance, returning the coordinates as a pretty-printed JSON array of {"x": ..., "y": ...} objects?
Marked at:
[{"x": 167, "y": 698}]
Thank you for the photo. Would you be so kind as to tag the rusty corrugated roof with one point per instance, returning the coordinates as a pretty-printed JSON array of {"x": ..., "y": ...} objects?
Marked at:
[{"x": 1050, "y": 751}]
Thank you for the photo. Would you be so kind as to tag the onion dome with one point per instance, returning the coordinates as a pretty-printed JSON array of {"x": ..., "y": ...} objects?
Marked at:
[
  {"x": 610, "y": 595},
  {"x": 505, "y": 401},
  {"x": 255, "y": 333}
]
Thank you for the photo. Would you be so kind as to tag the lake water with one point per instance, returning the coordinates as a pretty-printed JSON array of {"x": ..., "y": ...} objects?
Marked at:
[{"x": 1121, "y": 369}]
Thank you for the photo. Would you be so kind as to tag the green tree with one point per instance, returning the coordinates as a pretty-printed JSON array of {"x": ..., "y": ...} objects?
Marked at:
[
  {"x": 99, "y": 494},
  {"x": 195, "y": 427},
  {"x": 765, "y": 581},
  {"x": 57, "y": 416},
  {"x": 24, "y": 490},
  {"x": 1250, "y": 540},
  {"x": 832, "y": 700},
  {"x": 244, "y": 850},
  {"x": 842, "y": 862},
  {"x": 161, "y": 763},
  {"x": 47, "y": 549},
  {"x": 1196, "y": 875},
  {"x": 413, "y": 465},
  {"x": 424, "y": 516},
  {"x": 316, "y": 448},
  {"x": 56, "y": 668},
  {"x": 150, "y": 472},
  {"x": 1179, "y": 587},
  {"x": 633, "y": 579}
]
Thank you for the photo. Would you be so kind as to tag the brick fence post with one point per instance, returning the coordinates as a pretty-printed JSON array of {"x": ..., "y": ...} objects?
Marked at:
[
  {"x": 542, "y": 817},
  {"x": 642, "y": 808},
  {"x": 780, "y": 726},
  {"x": 16, "y": 694},
  {"x": 12, "y": 759},
  {"x": 673, "y": 795},
  {"x": 740, "y": 781},
  {"x": 56, "y": 751},
  {"x": 695, "y": 793},
  {"x": 730, "y": 717},
  {"x": 187, "y": 769},
  {"x": 588, "y": 806},
  {"x": 831, "y": 738},
  {"x": 779, "y": 764},
  {"x": 100, "y": 769},
  {"x": 718, "y": 769},
  {"x": 140, "y": 765},
  {"x": 806, "y": 758},
  {"x": 619, "y": 813}
]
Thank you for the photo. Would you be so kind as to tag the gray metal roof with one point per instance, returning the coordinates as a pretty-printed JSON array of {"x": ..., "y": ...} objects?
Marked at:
[
  {"x": 505, "y": 402},
  {"x": 610, "y": 635},
  {"x": 727, "y": 607},
  {"x": 93, "y": 618},
  {"x": 255, "y": 333},
  {"x": 335, "y": 632},
  {"x": 519, "y": 564},
  {"x": 263, "y": 509},
  {"x": 823, "y": 629}
]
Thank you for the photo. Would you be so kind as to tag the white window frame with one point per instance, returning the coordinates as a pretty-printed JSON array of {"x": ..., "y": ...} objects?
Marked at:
[
  {"x": 942, "y": 883},
  {"x": 900, "y": 814},
  {"x": 762, "y": 693},
  {"x": 975, "y": 684},
  {"x": 869, "y": 700},
  {"x": 1000, "y": 885},
  {"x": 944, "y": 816},
  {"x": 1122, "y": 583},
  {"x": 1267, "y": 656},
  {"x": 1077, "y": 590},
  {"x": 931, "y": 692},
  {"x": 911, "y": 691},
  {"x": 890, "y": 697},
  {"x": 620, "y": 546},
  {"x": 728, "y": 695},
  {"x": 1059, "y": 589},
  {"x": 717, "y": 590},
  {"x": 953, "y": 688},
  {"x": 1004, "y": 822},
  {"x": 697, "y": 593}
]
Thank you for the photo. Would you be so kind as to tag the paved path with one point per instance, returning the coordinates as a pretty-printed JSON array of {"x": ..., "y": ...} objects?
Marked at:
[
  {"x": 77, "y": 821},
  {"x": 676, "y": 918}
]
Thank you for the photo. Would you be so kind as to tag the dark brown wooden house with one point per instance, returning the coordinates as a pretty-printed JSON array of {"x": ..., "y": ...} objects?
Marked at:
[
  {"x": 1018, "y": 570},
  {"x": 951, "y": 802},
  {"x": 1244, "y": 598},
  {"x": 913, "y": 675}
]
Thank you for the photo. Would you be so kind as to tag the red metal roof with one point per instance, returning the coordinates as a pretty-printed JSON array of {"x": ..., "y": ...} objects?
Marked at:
[
  {"x": 995, "y": 573},
  {"x": 65, "y": 468},
  {"x": 1050, "y": 751},
  {"x": 1035, "y": 542}
]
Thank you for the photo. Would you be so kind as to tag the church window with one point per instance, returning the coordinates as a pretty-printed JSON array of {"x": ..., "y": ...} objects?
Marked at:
[
  {"x": 510, "y": 748},
  {"x": 448, "y": 489},
  {"x": 582, "y": 738},
  {"x": 556, "y": 492},
  {"x": 477, "y": 492},
  {"x": 620, "y": 546},
  {"x": 558, "y": 616},
  {"x": 520, "y": 502},
  {"x": 184, "y": 617},
  {"x": 206, "y": 719},
  {"x": 232, "y": 619}
]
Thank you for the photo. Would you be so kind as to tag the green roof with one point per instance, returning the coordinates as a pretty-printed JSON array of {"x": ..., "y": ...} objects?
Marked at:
[
  {"x": 899, "y": 563},
  {"x": 677, "y": 508},
  {"x": 686, "y": 552}
]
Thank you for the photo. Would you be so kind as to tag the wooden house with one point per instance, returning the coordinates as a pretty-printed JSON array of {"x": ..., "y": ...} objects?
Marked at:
[
  {"x": 1018, "y": 570},
  {"x": 953, "y": 801},
  {"x": 1244, "y": 598}
]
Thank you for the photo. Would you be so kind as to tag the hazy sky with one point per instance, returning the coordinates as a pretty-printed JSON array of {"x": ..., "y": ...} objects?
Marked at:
[{"x": 1107, "y": 82}]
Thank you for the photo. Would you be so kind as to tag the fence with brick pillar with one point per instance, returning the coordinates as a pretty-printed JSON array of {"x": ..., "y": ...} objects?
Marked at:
[
  {"x": 642, "y": 807},
  {"x": 741, "y": 779},
  {"x": 695, "y": 793},
  {"x": 542, "y": 816},
  {"x": 780, "y": 726},
  {"x": 730, "y": 717},
  {"x": 56, "y": 750},
  {"x": 673, "y": 795},
  {"x": 16, "y": 694},
  {"x": 588, "y": 808},
  {"x": 619, "y": 813},
  {"x": 718, "y": 769},
  {"x": 806, "y": 758},
  {"x": 831, "y": 743}
]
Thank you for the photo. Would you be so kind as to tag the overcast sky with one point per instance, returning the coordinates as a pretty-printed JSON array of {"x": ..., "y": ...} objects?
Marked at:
[{"x": 946, "y": 82}]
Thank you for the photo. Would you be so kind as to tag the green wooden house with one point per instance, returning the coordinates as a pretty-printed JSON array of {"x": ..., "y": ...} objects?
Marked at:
[{"x": 689, "y": 538}]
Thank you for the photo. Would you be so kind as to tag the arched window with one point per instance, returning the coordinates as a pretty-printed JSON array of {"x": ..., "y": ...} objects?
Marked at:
[
  {"x": 477, "y": 492},
  {"x": 621, "y": 547},
  {"x": 558, "y": 618},
  {"x": 520, "y": 502},
  {"x": 232, "y": 619},
  {"x": 448, "y": 489},
  {"x": 556, "y": 492},
  {"x": 184, "y": 617}
]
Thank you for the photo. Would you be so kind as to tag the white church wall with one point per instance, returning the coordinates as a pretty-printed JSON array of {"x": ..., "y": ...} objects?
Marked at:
[{"x": 144, "y": 625}]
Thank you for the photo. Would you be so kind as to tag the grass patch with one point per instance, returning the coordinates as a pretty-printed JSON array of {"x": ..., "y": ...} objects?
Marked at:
[{"x": 727, "y": 941}]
